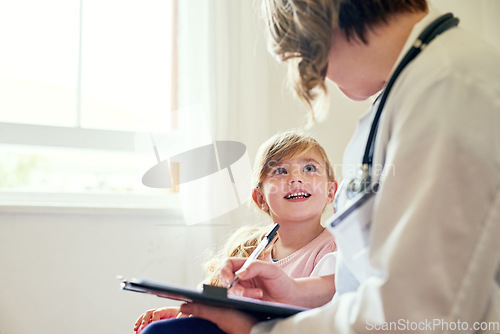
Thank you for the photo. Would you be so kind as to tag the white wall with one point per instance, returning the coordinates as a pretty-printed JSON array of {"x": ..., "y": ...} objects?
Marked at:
[{"x": 58, "y": 267}]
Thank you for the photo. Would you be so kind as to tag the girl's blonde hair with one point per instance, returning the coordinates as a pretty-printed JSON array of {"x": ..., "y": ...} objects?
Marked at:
[
  {"x": 290, "y": 144},
  {"x": 240, "y": 244}
]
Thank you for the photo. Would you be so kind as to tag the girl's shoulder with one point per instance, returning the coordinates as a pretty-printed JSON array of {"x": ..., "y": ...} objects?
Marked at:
[{"x": 325, "y": 239}]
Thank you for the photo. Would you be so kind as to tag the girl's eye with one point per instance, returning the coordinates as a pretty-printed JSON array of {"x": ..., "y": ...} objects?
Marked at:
[
  {"x": 279, "y": 171},
  {"x": 310, "y": 168}
]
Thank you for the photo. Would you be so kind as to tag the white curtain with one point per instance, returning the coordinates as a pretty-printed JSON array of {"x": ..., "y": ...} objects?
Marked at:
[
  {"x": 223, "y": 70},
  {"x": 223, "y": 55}
]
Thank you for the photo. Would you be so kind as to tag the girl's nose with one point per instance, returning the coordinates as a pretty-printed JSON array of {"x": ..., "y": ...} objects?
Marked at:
[
  {"x": 295, "y": 175},
  {"x": 294, "y": 178}
]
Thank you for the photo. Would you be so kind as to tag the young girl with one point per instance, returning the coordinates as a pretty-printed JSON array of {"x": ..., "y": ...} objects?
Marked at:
[{"x": 294, "y": 183}]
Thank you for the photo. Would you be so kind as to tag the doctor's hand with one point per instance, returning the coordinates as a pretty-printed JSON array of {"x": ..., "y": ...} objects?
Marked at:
[
  {"x": 266, "y": 281},
  {"x": 230, "y": 321},
  {"x": 261, "y": 280}
]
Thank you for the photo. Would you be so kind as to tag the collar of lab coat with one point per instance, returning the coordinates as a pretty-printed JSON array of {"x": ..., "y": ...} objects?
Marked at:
[{"x": 416, "y": 31}]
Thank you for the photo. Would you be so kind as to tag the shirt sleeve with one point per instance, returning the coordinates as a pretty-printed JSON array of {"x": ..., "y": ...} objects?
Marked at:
[{"x": 325, "y": 266}]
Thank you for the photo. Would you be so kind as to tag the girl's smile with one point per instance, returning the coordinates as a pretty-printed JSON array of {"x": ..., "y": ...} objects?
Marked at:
[{"x": 297, "y": 195}]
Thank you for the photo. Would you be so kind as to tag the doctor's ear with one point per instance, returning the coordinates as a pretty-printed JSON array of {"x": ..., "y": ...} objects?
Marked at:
[
  {"x": 332, "y": 190},
  {"x": 259, "y": 199}
]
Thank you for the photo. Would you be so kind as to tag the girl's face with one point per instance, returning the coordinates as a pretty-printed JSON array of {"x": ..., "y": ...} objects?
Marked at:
[{"x": 296, "y": 189}]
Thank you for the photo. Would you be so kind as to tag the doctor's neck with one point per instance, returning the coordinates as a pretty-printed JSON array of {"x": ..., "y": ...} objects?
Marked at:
[{"x": 387, "y": 41}]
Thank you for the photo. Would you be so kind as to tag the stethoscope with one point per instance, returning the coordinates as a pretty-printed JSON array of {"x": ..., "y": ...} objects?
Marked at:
[{"x": 362, "y": 182}]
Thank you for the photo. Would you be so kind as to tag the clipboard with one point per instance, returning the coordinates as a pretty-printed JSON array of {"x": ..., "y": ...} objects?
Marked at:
[{"x": 213, "y": 296}]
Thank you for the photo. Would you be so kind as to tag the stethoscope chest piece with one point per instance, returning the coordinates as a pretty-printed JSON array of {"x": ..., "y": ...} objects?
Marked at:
[{"x": 360, "y": 183}]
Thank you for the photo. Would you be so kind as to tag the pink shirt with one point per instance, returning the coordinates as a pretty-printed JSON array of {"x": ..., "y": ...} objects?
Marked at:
[{"x": 302, "y": 262}]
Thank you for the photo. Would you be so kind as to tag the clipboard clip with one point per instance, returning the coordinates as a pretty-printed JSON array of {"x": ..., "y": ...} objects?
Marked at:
[{"x": 215, "y": 290}]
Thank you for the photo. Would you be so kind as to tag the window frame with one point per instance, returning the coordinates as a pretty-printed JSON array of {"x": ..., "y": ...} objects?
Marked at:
[{"x": 89, "y": 138}]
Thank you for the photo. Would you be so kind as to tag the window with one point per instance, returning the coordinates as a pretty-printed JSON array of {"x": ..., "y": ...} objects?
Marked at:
[{"x": 81, "y": 81}]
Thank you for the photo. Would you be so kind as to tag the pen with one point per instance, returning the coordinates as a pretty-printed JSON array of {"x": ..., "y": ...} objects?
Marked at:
[{"x": 255, "y": 254}]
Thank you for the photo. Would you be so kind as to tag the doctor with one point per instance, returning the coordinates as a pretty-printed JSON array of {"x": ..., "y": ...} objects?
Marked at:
[{"x": 435, "y": 223}]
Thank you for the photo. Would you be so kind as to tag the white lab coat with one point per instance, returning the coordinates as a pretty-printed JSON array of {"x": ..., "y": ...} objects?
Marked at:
[{"x": 435, "y": 235}]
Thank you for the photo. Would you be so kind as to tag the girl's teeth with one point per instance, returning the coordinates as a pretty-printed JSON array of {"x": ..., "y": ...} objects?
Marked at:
[{"x": 296, "y": 195}]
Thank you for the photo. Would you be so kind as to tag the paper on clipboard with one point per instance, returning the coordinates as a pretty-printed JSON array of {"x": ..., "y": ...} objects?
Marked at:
[
  {"x": 351, "y": 229},
  {"x": 214, "y": 296}
]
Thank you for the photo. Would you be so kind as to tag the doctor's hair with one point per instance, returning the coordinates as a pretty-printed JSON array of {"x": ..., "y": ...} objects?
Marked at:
[
  {"x": 300, "y": 32},
  {"x": 285, "y": 145}
]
